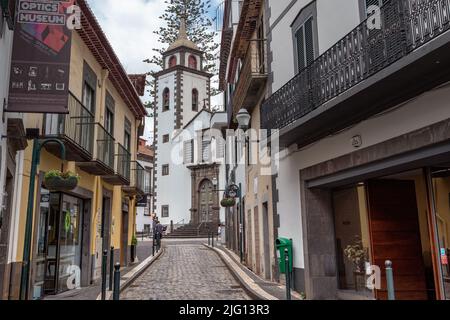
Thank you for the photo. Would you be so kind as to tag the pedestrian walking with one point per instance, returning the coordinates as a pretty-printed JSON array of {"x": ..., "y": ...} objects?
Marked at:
[
  {"x": 219, "y": 233},
  {"x": 158, "y": 231}
]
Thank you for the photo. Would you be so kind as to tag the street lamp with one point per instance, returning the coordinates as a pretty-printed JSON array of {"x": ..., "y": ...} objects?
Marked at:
[
  {"x": 243, "y": 118},
  {"x": 38, "y": 144}
]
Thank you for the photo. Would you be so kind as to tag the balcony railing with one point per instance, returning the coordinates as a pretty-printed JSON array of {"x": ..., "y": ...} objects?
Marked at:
[
  {"x": 405, "y": 26},
  {"x": 142, "y": 181},
  {"x": 105, "y": 146},
  {"x": 251, "y": 76},
  {"x": 76, "y": 128},
  {"x": 123, "y": 162}
]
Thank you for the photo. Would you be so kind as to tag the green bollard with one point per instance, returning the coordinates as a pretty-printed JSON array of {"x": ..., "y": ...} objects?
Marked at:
[
  {"x": 111, "y": 268},
  {"x": 288, "y": 274},
  {"x": 104, "y": 263},
  {"x": 116, "y": 292},
  {"x": 390, "y": 280}
]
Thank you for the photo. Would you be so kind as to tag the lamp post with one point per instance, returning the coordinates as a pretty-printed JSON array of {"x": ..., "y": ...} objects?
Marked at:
[
  {"x": 36, "y": 156},
  {"x": 243, "y": 118}
]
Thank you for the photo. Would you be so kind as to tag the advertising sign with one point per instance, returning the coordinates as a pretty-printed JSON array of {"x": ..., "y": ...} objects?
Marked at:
[{"x": 40, "y": 57}]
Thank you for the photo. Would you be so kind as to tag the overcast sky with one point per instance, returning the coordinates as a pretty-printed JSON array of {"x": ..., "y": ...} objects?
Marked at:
[{"x": 129, "y": 27}]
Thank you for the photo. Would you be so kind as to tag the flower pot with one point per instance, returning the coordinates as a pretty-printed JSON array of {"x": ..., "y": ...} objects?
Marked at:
[
  {"x": 60, "y": 184},
  {"x": 228, "y": 202}
]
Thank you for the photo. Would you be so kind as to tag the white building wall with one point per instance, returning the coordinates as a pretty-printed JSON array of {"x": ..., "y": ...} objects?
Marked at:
[{"x": 6, "y": 39}]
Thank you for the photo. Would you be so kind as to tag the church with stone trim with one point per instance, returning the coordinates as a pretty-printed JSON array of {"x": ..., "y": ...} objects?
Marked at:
[{"x": 189, "y": 167}]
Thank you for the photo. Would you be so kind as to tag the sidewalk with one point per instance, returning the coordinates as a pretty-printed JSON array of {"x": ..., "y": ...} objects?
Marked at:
[
  {"x": 128, "y": 274},
  {"x": 261, "y": 289}
]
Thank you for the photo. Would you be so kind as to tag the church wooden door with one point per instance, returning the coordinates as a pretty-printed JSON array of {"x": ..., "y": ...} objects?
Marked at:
[{"x": 206, "y": 201}]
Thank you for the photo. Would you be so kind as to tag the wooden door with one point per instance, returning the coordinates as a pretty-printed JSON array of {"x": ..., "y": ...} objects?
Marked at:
[{"x": 395, "y": 236}]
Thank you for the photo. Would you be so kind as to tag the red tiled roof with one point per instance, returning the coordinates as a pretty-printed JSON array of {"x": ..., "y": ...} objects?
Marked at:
[{"x": 95, "y": 39}]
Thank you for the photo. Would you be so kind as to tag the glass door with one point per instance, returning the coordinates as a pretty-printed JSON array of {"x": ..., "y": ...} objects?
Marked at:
[
  {"x": 440, "y": 184},
  {"x": 58, "y": 243},
  {"x": 70, "y": 232},
  {"x": 50, "y": 248}
]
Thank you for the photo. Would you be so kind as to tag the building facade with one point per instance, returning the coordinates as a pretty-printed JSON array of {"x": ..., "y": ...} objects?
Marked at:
[
  {"x": 11, "y": 151},
  {"x": 100, "y": 134},
  {"x": 184, "y": 168},
  {"x": 244, "y": 77},
  {"x": 144, "y": 205},
  {"x": 358, "y": 90}
]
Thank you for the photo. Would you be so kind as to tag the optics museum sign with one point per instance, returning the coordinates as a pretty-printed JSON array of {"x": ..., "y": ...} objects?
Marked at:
[{"x": 41, "y": 57}]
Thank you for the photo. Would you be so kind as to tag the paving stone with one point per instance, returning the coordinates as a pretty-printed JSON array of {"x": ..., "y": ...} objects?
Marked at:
[{"x": 186, "y": 272}]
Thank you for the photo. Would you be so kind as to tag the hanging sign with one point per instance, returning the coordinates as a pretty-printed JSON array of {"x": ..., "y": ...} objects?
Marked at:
[{"x": 41, "y": 57}]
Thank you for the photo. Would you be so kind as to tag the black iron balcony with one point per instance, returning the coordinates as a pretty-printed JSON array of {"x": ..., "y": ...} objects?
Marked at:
[
  {"x": 76, "y": 129},
  {"x": 252, "y": 77},
  {"x": 371, "y": 69},
  {"x": 122, "y": 165},
  {"x": 103, "y": 163},
  {"x": 140, "y": 180}
]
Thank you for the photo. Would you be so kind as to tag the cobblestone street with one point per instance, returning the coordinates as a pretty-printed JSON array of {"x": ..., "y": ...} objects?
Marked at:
[{"x": 186, "y": 270}]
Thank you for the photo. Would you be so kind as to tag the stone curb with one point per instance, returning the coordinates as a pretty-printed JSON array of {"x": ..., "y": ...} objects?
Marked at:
[
  {"x": 249, "y": 284},
  {"x": 133, "y": 274}
]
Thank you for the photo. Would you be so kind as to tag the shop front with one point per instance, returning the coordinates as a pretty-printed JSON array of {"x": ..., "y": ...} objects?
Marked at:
[
  {"x": 374, "y": 205},
  {"x": 394, "y": 218},
  {"x": 60, "y": 246}
]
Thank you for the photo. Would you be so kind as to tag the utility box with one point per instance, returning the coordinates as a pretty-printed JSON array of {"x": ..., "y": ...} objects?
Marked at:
[{"x": 283, "y": 244}]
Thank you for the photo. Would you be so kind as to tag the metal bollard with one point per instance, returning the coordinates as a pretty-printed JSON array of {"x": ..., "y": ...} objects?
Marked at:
[
  {"x": 288, "y": 274},
  {"x": 212, "y": 240},
  {"x": 116, "y": 292},
  {"x": 209, "y": 238},
  {"x": 104, "y": 263},
  {"x": 111, "y": 268},
  {"x": 390, "y": 280}
]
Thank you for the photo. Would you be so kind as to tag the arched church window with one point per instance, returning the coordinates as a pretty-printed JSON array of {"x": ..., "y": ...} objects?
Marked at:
[
  {"x": 172, "y": 61},
  {"x": 194, "y": 100},
  {"x": 166, "y": 99},
  {"x": 192, "y": 62}
]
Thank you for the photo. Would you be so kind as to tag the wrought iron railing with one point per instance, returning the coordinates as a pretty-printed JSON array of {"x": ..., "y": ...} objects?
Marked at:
[
  {"x": 141, "y": 178},
  {"x": 105, "y": 146},
  {"x": 77, "y": 125},
  {"x": 123, "y": 162},
  {"x": 367, "y": 49}
]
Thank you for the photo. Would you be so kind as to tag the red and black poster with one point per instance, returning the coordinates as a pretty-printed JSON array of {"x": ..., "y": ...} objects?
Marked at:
[{"x": 41, "y": 57}]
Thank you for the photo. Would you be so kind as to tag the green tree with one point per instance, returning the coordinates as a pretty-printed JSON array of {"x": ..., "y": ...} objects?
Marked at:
[{"x": 199, "y": 27}]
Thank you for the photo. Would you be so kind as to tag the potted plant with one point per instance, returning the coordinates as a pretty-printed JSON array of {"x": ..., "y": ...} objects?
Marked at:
[
  {"x": 357, "y": 254},
  {"x": 228, "y": 202},
  {"x": 134, "y": 243},
  {"x": 55, "y": 180}
]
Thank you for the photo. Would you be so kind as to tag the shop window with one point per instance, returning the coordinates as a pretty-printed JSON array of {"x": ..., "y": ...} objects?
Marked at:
[
  {"x": 441, "y": 196},
  {"x": 352, "y": 237},
  {"x": 192, "y": 62},
  {"x": 166, "y": 99}
]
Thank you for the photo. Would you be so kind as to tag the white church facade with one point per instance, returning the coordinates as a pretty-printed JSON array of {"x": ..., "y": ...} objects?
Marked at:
[{"x": 189, "y": 173}]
